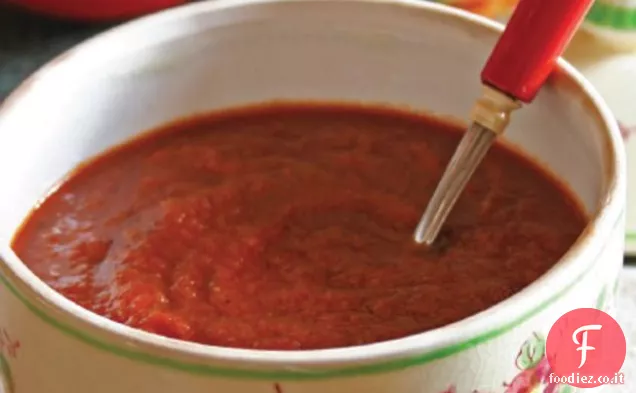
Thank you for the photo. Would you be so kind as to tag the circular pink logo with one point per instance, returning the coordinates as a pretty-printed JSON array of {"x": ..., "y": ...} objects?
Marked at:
[{"x": 586, "y": 348}]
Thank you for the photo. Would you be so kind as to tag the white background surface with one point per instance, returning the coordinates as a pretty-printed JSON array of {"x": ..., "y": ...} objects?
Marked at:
[
  {"x": 613, "y": 74},
  {"x": 627, "y": 319}
]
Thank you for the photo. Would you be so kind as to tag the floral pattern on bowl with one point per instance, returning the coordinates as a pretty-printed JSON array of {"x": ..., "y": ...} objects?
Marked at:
[
  {"x": 532, "y": 363},
  {"x": 534, "y": 371}
]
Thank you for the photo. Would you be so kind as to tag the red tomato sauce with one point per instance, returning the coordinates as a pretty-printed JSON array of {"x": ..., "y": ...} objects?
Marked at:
[{"x": 291, "y": 227}]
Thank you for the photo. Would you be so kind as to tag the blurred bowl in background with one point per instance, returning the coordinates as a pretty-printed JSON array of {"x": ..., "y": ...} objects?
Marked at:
[
  {"x": 612, "y": 21},
  {"x": 95, "y": 10},
  {"x": 494, "y": 9}
]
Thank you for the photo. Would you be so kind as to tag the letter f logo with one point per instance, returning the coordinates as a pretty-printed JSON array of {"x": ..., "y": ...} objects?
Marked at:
[{"x": 583, "y": 344}]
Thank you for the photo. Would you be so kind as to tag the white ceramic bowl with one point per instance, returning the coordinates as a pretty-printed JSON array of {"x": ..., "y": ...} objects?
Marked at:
[{"x": 219, "y": 54}]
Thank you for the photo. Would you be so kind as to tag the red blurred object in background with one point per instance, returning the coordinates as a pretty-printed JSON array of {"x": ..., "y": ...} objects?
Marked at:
[{"x": 95, "y": 10}]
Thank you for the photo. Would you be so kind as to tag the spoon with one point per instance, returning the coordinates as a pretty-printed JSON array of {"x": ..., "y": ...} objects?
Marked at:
[{"x": 520, "y": 63}]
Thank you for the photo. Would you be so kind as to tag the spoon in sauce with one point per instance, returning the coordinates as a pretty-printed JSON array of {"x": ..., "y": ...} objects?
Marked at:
[{"x": 520, "y": 63}]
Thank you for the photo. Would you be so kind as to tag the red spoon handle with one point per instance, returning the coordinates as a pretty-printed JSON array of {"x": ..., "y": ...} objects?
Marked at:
[{"x": 526, "y": 53}]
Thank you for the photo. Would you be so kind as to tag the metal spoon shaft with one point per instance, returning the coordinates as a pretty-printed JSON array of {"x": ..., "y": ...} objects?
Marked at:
[
  {"x": 490, "y": 117},
  {"x": 470, "y": 152}
]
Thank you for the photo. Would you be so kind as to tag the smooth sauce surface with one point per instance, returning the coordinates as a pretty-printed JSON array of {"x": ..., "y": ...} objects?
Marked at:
[{"x": 290, "y": 227}]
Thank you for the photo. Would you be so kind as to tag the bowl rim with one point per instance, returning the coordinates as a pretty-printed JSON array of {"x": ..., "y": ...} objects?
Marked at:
[{"x": 134, "y": 344}]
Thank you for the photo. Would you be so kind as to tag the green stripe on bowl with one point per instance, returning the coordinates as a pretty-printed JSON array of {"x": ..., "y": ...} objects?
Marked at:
[
  {"x": 291, "y": 375},
  {"x": 612, "y": 16},
  {"x": 6, "y": 376},
  {"x": 630, "y": 236}
]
